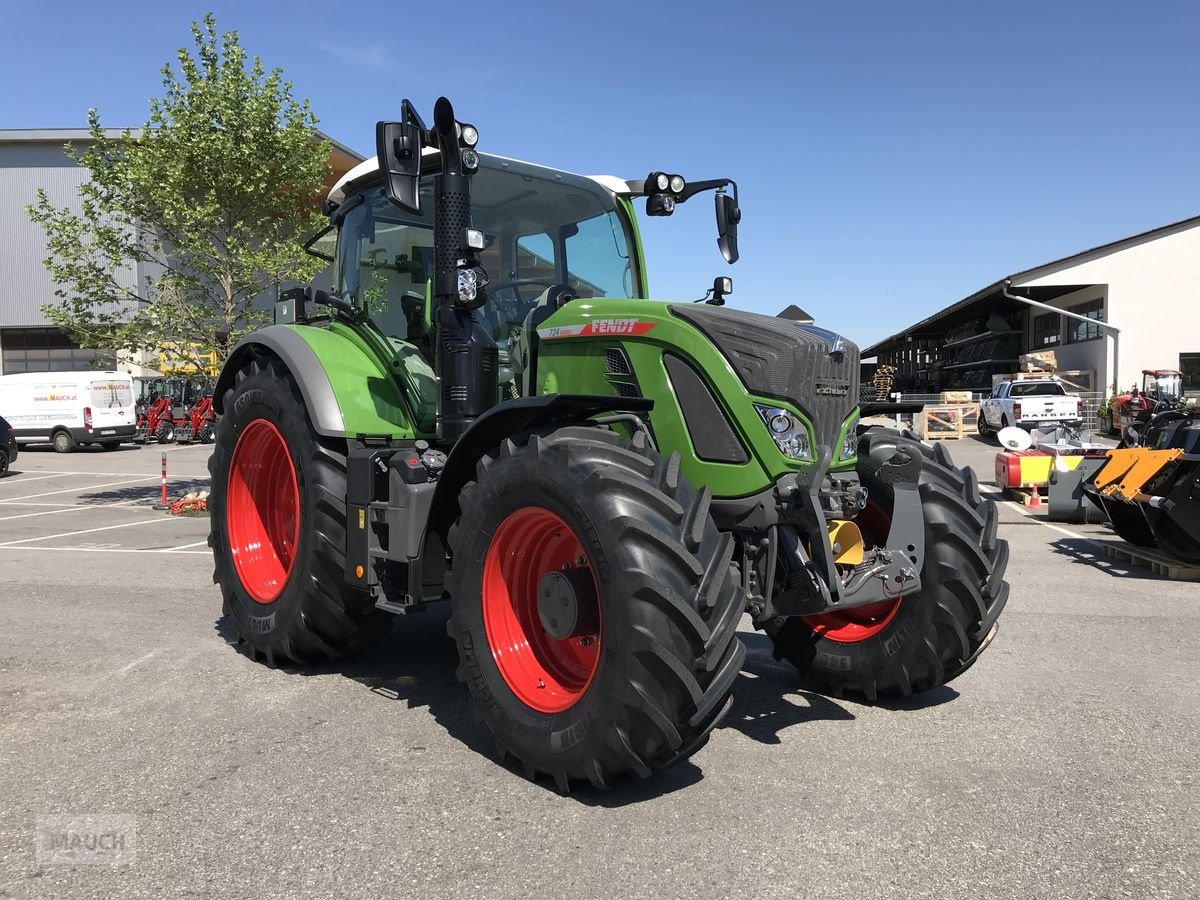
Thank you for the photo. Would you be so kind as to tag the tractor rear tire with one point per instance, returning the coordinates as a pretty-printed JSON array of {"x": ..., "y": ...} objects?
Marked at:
[
  {"x": 165, "y": 434},
  {"x": 642, "y": 685},
  {"x": 278, "y": 527},
  {"x": 924, "y": 639}
]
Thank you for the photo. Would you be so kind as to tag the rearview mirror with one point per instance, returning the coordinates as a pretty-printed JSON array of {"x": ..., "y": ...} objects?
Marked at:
[
  {"x": 728, "y": 216},
  {"x": 398, "y": 145}
]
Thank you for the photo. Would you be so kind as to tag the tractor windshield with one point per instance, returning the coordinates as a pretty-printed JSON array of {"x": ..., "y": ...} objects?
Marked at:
[
  {"x": 1164, "y": 384},
  {"x": 542, "y": 228}
]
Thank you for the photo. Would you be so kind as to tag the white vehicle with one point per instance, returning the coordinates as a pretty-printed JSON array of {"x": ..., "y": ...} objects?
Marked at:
[
  {"x": 67, "y": 409},
  {"x": 1042, "y": 403}
]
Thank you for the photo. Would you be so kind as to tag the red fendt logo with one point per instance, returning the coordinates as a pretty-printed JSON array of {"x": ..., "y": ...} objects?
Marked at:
[{"x": 596, "y": 327}]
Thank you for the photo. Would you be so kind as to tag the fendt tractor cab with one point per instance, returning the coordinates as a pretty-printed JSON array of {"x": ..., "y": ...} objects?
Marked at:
[{"x": 488, "y": 409}]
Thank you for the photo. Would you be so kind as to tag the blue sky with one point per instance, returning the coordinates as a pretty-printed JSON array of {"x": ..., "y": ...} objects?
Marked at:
[{"x": 892, "y": 157}]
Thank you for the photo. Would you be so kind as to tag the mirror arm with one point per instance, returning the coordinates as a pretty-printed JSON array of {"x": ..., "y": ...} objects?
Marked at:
[{"x": 697, "y": 187}]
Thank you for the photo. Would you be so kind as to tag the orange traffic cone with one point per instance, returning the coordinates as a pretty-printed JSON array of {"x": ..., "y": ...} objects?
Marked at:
[{"x": 1035, "y": 500}]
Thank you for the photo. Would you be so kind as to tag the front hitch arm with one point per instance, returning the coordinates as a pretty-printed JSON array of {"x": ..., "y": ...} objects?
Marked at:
[{"x": 888, "y": 573}]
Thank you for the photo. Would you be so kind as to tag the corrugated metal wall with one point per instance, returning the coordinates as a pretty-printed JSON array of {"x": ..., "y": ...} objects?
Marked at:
[{"x": 25, "y": 285}]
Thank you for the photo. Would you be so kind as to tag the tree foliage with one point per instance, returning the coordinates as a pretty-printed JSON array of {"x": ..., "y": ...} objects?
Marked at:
[{"x": 209, "y": 202}]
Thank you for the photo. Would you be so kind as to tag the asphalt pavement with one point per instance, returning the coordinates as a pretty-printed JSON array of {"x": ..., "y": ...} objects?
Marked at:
[{"x": 1062, "y": 765}]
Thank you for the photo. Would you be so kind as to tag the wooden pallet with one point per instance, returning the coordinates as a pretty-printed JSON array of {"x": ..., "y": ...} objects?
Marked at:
[
  {"x": 1157, "y": 561},
  {"x": 1025, "y": 495},
  {"x": 940, "y": 423}
]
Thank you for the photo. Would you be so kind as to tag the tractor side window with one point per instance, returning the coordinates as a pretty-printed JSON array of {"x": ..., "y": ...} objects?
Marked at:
[
  {"x": 384, "y": 257},
  {"x": 535, "y": 258},
  {"x": 595, "y": 248}
]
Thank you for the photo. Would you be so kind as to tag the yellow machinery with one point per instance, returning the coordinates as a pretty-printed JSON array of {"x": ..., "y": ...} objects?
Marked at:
[{"x": 1152, "y": 493}]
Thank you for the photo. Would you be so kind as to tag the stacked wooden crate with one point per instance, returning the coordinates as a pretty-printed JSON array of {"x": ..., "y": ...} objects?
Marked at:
[{"x": 939, "y": 423}]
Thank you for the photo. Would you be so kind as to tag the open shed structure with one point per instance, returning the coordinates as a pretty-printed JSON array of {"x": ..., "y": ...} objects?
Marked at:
[{"x": 1146, "y": 285}]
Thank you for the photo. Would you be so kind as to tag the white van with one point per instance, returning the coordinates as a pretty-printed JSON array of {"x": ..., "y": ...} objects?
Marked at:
[{"x": 67, "y": 409}]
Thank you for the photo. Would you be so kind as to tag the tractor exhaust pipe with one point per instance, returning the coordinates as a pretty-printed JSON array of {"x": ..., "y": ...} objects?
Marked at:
[{"x": 467, "y": 357}]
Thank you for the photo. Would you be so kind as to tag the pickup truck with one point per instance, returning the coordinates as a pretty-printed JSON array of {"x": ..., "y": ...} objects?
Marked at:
[{"x": 1029, "y": 404}]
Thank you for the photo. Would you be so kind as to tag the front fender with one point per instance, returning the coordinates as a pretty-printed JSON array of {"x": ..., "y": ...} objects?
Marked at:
[{"x": 506, "y": 419}]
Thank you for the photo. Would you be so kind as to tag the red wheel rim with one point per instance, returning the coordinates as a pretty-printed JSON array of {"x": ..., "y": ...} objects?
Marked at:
[
  {"x": 262, "y": 510},
  {"x": 546, "y": 674},
  {"x": 853, "y": 625}
]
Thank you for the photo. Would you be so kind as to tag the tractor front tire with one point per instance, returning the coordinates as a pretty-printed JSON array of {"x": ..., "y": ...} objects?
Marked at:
[
  {"x": 165, "y": 434},
  {"x": 278, "y": 527},
  {"x": 612, "y": 530},
  {"x": 923, "y": 640}
]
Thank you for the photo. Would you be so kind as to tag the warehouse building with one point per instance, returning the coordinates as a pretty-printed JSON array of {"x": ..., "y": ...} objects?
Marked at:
[
  {"x": 32, "y": 159},
  {"x": 1146, "y": 286}
]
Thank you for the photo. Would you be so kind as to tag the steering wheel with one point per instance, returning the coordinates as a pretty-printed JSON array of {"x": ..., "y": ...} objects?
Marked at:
[{"x": 494, "y": 289}]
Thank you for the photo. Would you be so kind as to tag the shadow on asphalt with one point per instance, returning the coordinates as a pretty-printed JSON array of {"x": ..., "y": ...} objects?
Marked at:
[
  {"x": 1086, "y": 553},
  {"x": 415, "y": 664},
  {"x": 176, "y": 487}
]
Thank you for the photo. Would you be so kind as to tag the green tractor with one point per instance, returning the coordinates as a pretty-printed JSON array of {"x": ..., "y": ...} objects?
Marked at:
[{"x": 486, "y": 409}]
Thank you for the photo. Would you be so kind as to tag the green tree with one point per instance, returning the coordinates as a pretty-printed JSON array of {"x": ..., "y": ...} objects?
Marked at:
[{"x": 214, "y": 197}]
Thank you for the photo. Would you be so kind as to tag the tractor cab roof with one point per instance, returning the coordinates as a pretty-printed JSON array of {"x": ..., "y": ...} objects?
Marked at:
[{"x": 367, "y": 171}]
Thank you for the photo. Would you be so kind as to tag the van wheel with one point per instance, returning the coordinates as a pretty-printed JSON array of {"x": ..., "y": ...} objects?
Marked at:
[{"x": 63, "y": 442}]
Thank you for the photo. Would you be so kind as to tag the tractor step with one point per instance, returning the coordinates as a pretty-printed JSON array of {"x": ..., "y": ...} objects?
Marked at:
[
  {"x": 399, "y": 609},
  {"x": 1157, "y": 561}
]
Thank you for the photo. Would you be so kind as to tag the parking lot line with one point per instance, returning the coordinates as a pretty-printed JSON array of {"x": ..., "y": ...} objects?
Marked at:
[
  {"x": 105, "y": 550},
  {"x": 73, "y": 506},
  {"x": 47, "y": 537},
  {"x": 4, "y": 503},
  {"x": 95, "y": 474},
  {"x": 86, "y": 487},
  {"x": 203, "y": 543},
  {"x": 998, "y": 495},
  {"x": 22, "y": 479}
]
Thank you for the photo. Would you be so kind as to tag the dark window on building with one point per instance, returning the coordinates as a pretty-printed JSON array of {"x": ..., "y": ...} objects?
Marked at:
[
  {"x": 1085, "y": 331},
  {"x": 47, "y": 350},
  {"x": 1047, "y": 331},
  {"x": 1189, "y": 365}
]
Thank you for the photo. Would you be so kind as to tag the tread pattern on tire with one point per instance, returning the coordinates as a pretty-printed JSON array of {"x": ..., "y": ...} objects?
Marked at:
[
  {"x": 334, "y": 621},
  {"x": 684, "y": 652},
  {"x": 963, "y": 580}
]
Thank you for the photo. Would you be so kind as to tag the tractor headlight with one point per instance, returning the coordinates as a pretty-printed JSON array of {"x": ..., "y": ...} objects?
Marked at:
[
  {"x": 850, "y": 443},
  {"x": 662, "y": 181},
  {"x": 788, "y": 432},
  {"x": 677, "y": 184}
]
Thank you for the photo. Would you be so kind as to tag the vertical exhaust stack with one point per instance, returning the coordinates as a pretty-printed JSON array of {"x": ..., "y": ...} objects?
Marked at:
[{"x": 467, "y": 358}]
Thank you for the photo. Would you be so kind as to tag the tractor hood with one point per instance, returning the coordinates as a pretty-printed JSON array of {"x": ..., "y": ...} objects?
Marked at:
[{"x": 811, "y": 368}]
